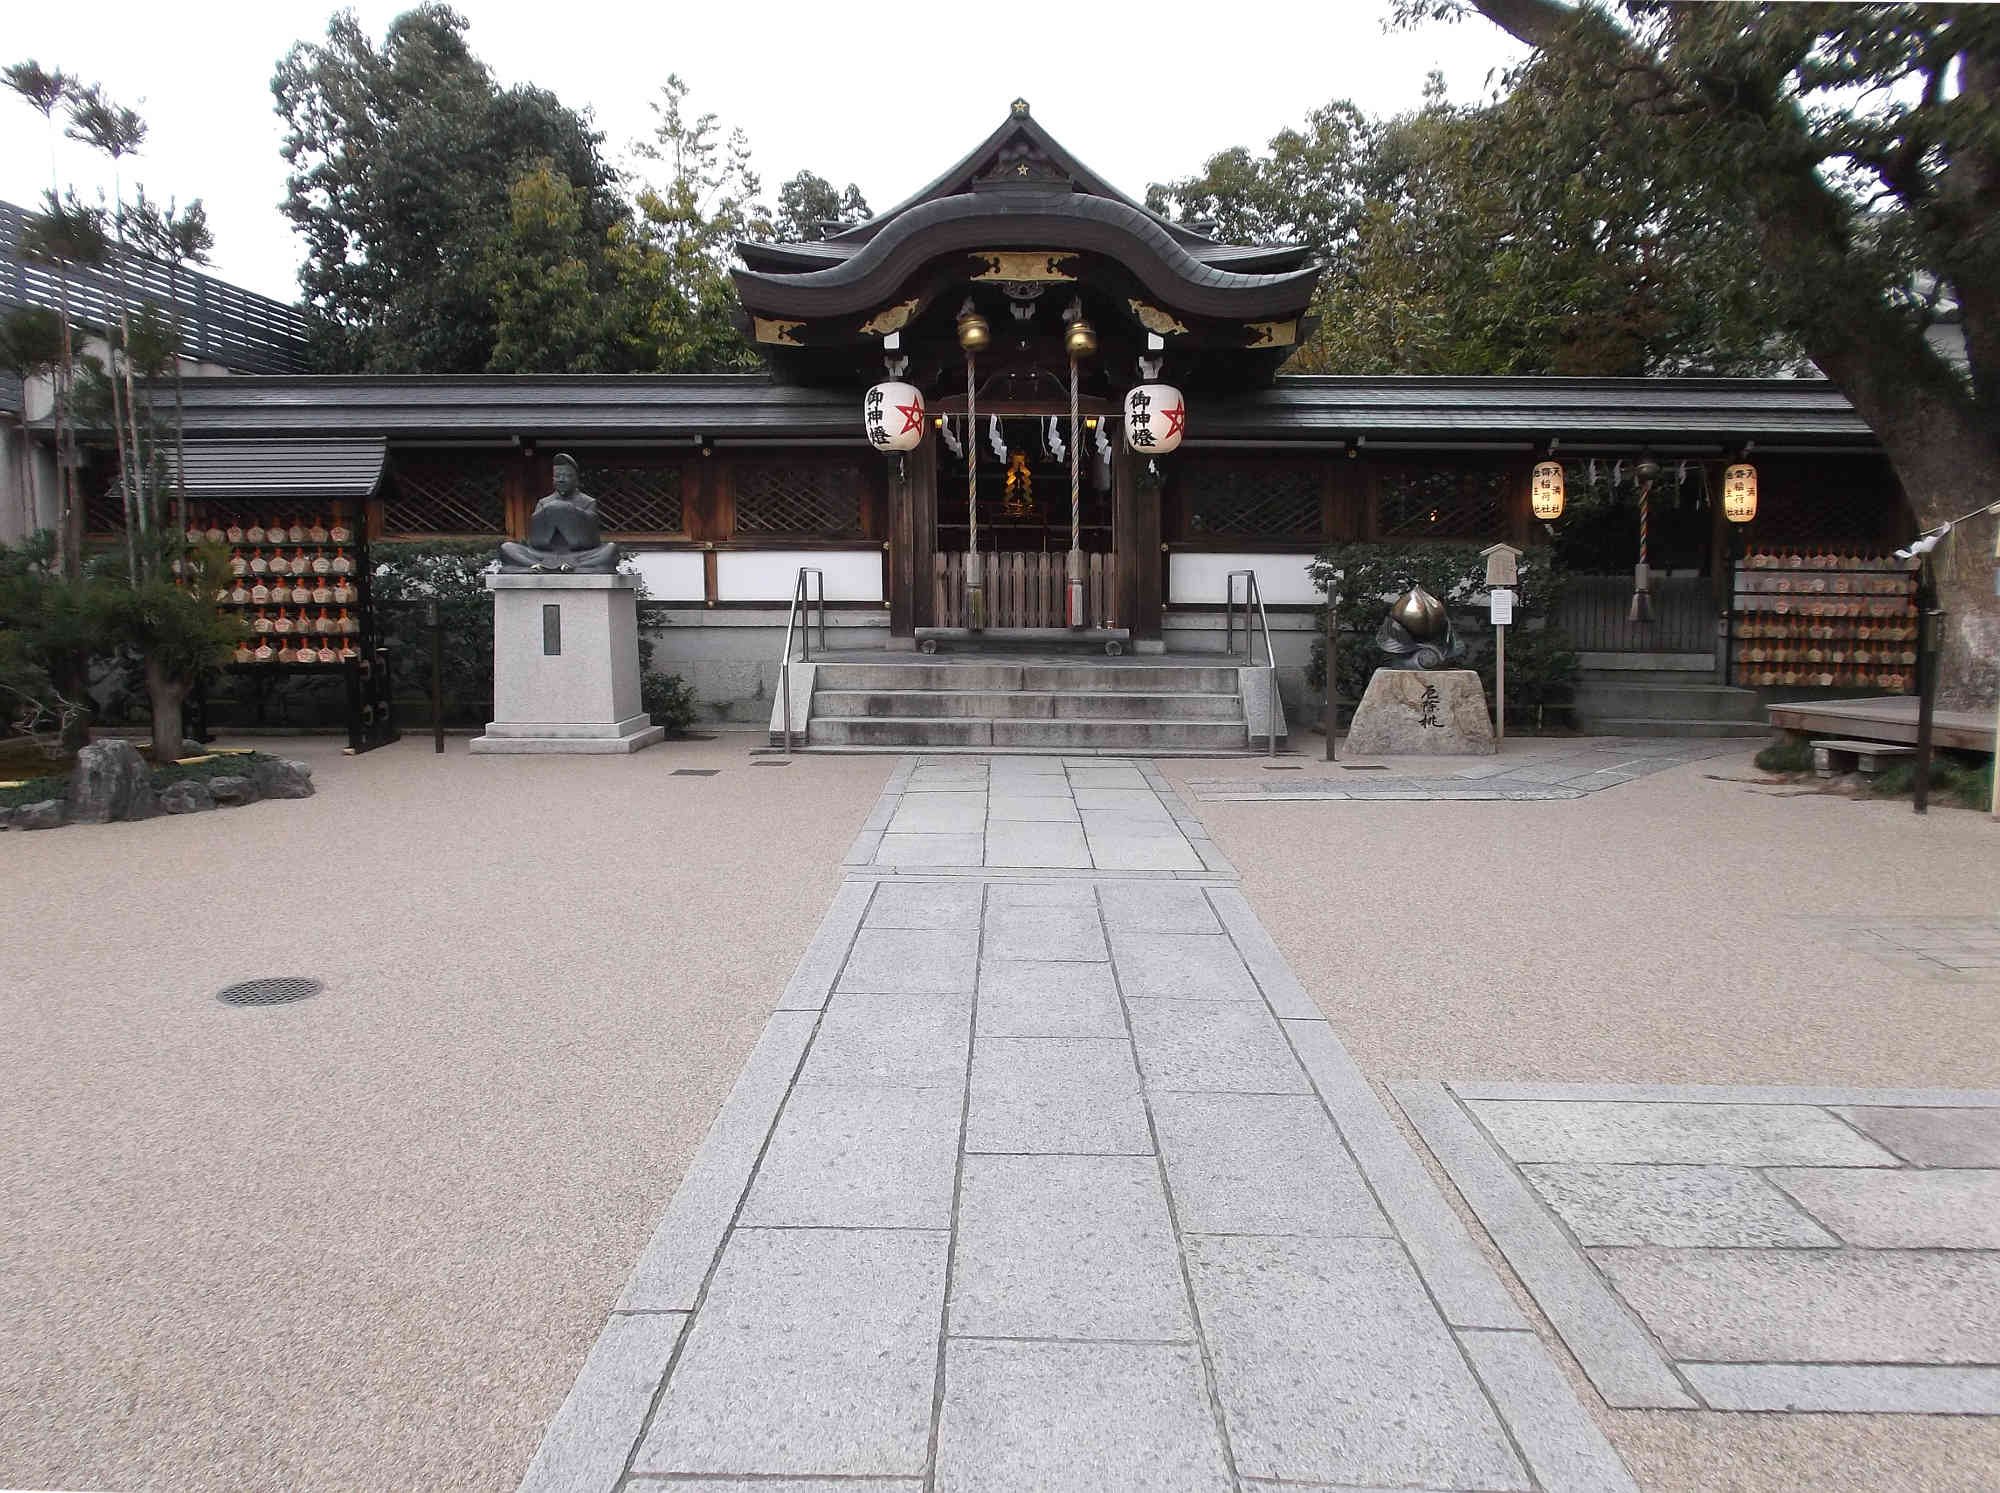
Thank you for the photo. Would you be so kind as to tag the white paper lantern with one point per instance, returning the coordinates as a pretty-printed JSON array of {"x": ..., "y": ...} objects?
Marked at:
[
  {"x": 1155, "y": 418},
  {"x": 1546, "y": 493},
  {"x": 893, "y": 414},
  {"x": 1739, "y": 493}
]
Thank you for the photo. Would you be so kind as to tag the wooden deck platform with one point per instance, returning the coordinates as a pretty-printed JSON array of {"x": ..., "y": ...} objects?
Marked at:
[{"x": 1885, "y": 718}]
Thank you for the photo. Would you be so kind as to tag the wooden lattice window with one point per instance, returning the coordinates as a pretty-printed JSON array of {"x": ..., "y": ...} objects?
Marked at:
[
  {"x": 103, "y": 505},
  {"x": 1441, "y": 502},
  {"x": 822, "y": 499},
  {"x": 1254, "y": 502},
  {"x": 448, "y": 496},
  {"x": 636, "y": 500}
]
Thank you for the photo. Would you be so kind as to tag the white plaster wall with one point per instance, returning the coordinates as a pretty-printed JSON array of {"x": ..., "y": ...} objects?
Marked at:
[
  {"x": 1193, "y": 579},
  {"x": 769, "y": 575},
  {"x": 670, "y": 575}
]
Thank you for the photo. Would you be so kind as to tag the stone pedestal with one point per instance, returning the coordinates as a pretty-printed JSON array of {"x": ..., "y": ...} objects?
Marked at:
[
  {"x": 1422, "y": 713},
  {"x": 566, "y": 666}
]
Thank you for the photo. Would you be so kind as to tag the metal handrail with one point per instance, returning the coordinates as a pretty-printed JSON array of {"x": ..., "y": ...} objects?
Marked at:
[
  {"x": 800, "y": 602},
  {"x": 1251, "y": 592}
]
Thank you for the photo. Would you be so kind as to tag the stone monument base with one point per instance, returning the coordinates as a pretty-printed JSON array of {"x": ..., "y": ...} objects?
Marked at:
[
  {"x": 565, "y": 666},
  {"x": 1422, "y": 713}
]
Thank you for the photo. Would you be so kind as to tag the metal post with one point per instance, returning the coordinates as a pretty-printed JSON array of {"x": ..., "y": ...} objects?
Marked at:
[
  {"x": 437, "y": 677},
  {"x": 1330, "y": 715},
  {"x": 822, "y": 609},
  {"x": 1927, "y": 614},
  {"x": 1500, "y": 681}
]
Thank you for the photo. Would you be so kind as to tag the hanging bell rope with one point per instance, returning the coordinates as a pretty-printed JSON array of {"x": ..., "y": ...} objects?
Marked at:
[
  {"x": 1075, "y": 467},
  {"x": 971, "y": 475},
  {"x": 1642, "y": 573}
]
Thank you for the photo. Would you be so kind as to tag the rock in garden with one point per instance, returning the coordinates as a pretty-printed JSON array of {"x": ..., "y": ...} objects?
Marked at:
[
  {"x": 110, "y": 781},
  {"x": 6, "y": 817},
  {"x": 277, "y": 779},
  {"x": 45, "y": 815},
  {"x": 188, "y": 796},
  {"x": 1422, "y": 712},
  {"x": 230, "y": 789}
]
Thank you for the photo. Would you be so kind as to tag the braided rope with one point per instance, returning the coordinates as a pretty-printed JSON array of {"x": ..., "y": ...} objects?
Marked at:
[
  {"x": 1075, "y": 467},
  {"x": 971, "y": 465}
]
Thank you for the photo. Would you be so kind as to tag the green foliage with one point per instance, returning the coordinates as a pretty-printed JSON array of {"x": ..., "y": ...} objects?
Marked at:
[
  {"x": 30, "y": 341},
  {"x": 178, "y": 631},
  {"x": 1365, "y": 578},
  {"x": 408, "y": 577},
  {"x": 1962, "y": 778},
  {"x": 1786, "y": 756},
  {"x": 809, "y": 202},
  {"x": 1450, "y": 249},
  {"x": 47, "y": 634},
  {"x": 401, "y": 161},
  {"x": 668, "y": 700}
]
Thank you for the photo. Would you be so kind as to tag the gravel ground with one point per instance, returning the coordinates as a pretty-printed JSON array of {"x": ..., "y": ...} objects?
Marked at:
[
  {"x": 1683, "y": 928},
  {"x": 365, "y": 1241}
]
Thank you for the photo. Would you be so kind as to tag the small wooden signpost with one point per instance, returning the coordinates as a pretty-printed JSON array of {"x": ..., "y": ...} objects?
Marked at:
[{"x": 1502, "y": 573}]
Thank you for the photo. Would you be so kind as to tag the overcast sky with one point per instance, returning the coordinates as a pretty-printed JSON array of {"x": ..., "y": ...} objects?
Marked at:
[{"x": 884, "y": 96}]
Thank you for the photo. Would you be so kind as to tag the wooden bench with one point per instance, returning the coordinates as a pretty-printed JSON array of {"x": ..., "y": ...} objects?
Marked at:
[{"x": 1865, "y": 757}]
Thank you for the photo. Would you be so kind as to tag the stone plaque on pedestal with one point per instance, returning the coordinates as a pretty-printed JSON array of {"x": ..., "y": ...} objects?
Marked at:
[
  {"x": 1422, "y": 712},
  {"x": 566, "y": 666}
]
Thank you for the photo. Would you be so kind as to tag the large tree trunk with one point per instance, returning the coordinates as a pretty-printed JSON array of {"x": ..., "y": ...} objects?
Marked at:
[
  {"x": 1941, "y": 437},
  {"x": 167, "y": 696}
]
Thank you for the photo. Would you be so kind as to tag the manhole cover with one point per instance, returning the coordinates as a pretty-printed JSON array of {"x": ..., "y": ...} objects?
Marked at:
[
  {"x": 770, "y": 764},
  {"x": 696, "y": 772},
  {"x": 272, "y": 992},
  {"x": 1364, "y": 767}
]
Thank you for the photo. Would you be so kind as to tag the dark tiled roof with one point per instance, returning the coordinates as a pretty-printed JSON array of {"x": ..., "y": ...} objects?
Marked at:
[
  {"x": 350, "y": 468},
  {"x": 1041, "y": 220},
  {"x": 414, "y": 409}
]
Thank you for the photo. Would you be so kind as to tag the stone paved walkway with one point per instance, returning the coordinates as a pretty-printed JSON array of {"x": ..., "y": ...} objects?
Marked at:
[
  {"x": 1745, "y": 1248},
  {"x": 1048, "y": 1174},
  {"x": 1557, "y": 769}
]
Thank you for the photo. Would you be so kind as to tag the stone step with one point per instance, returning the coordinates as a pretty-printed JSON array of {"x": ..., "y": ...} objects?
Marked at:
[
  {"x": 1592, "y": 661},
  {"x": 1096, "y": 678},
  {"x": 923, "y": 731},
  {"x": 1720, "y": 702},
  {"x": 1071, "y": 705},
  {"x": 1611, "y": 725}
]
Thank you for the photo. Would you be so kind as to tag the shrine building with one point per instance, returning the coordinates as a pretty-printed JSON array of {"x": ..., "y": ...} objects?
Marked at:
[{"x": 1020, "y": 413}]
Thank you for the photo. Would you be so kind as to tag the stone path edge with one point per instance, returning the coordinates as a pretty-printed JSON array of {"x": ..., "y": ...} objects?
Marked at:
[
  {"x": 1614, "y": 1350},
  {"x": 1643, "y": 1093},
  {"x": 1574, "y": 1298}
]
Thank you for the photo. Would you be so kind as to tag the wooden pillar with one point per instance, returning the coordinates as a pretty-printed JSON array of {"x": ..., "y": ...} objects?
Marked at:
[
  {"x": 921, "y": 546},
  {"x": 1136, "y": 538}
]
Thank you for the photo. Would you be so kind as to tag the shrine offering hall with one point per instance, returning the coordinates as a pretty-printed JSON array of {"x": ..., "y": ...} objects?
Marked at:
[{"x": 1020, "y": 413}]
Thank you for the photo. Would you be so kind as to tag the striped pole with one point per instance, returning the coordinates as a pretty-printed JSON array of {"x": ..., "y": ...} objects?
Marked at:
[{"x": 1073, "y": 586}]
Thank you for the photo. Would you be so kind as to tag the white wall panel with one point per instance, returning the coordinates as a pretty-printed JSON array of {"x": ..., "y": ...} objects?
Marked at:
[
  {"x": 769, "y": 575},
  {"x": 1196, "y": 578},
  {"x": 671, "y": 575}
]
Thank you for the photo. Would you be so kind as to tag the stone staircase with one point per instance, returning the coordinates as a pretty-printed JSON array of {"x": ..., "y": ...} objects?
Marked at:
[
  {"x": 1662, "y": 694},
  {"x": 1052, "y": 706}
]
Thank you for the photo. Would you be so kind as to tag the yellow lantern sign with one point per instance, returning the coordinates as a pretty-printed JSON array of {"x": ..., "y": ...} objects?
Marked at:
[
  {"x": 1739, "y": 493},
  {"x": 1546, "y": 494}
]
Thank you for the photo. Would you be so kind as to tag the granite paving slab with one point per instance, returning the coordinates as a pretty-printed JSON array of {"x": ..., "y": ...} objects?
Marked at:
[
  {"x": 1155, "y": 907},
  {"x": 1036, "y": 843},
  {"x": 1689, "y": 1134},
  {"x": 1181, "y": 966},
  {"x": 1056, "y": 1095},
  {"x": 1261, "y": 1164},
  {"x": 911, "y": 961},
  {"x": 1073, "y": 1247},
  {"x": 860, "y": 1157},
  {"x": 1931, "y": 1136},
  {"x": 831, "y": 1335},
  {"x": 1041, "y": 998},
  {"x": 1813, "y": 1306},
  {"x": 1093, "y": 1417},
  {"x": 1333, "y": 1367},
  {"x": 923, "y": 904},
  {"x": 1065, "y": 933},
  {"x": 887, "y": 1040},
  {"x": 1213, "y": 1047},
  {"x": 1673, "y": 1205},
  {"x": 1904, "y": 1209}
]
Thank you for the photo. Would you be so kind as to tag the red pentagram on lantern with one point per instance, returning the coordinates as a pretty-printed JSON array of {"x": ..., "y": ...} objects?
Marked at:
[
  {"x": 1176, "y": 419},
  {"x": 913, "y": 417}
]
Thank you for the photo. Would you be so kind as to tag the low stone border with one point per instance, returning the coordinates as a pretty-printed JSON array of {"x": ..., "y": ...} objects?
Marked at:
[
  {"x": 111, "y": 782},
  {"x": 1620, "y": 1352}
]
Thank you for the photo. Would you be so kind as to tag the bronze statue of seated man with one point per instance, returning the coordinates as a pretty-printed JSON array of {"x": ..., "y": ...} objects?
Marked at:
[{"x": 564, "y": 535}]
